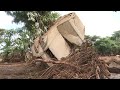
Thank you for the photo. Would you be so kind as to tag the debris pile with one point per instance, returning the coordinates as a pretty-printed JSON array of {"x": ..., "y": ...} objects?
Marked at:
[
  {"x": 113, "y": 63},
  {"x": 81, "y": 64},
  {"x": 66, "y": 39},
  {"x": 114, "y": 66}
]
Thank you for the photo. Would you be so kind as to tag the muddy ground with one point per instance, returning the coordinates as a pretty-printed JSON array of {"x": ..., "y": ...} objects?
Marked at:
[
  {"x": 33, "y": 71},
  {"x": 19, "y": 71}
]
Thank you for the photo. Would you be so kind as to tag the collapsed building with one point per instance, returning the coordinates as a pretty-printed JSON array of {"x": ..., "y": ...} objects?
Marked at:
[
  {"x": 67, "y": 28},
  {"x": 64, "y": 48}
]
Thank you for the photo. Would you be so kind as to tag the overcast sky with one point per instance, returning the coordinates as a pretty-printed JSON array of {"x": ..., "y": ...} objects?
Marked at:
[{"x": 101, "y": 23}]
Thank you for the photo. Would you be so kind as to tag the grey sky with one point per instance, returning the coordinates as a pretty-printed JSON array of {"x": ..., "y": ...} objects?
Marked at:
[{"x": 101, "y": 23}]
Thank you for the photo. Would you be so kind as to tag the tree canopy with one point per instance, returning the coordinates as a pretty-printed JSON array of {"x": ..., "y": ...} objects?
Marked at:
[
  {"x": 34, "y": 21},
  {"x": 108, "y": 45},
  {"x": 18, "y": 41}
]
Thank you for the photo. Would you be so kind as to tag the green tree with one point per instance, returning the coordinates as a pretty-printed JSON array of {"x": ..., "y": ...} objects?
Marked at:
[
  {"x": 7, "y": 40},
  {"x": 35, "y": 21},
  {"x": 1, "y": 35},
  {"x": 15, "y": 42},
  {"x": 103, "y": 46},
  {"x": 92, "y": 38},
  {"x": 116, "y": 35},
  {"x": 107, "y": 46}
]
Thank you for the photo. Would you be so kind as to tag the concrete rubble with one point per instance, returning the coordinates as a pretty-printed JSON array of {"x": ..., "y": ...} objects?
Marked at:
[
  {"x": 71, "y": 55},
  {"x": 68, "y": 27}
]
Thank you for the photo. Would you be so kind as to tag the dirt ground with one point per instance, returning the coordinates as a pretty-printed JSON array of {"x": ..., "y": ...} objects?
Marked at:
[
  {"x": 33, "y": 71},
  {"x": 25, "y": 71},
  {"x": 115, "y": 73},
  {"x": 108, "y": 59},
  {"x": 19, "y": 71}
]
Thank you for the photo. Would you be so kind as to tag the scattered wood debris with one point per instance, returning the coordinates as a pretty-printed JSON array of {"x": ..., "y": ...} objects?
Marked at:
[{"x": 83, "y": 64}]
